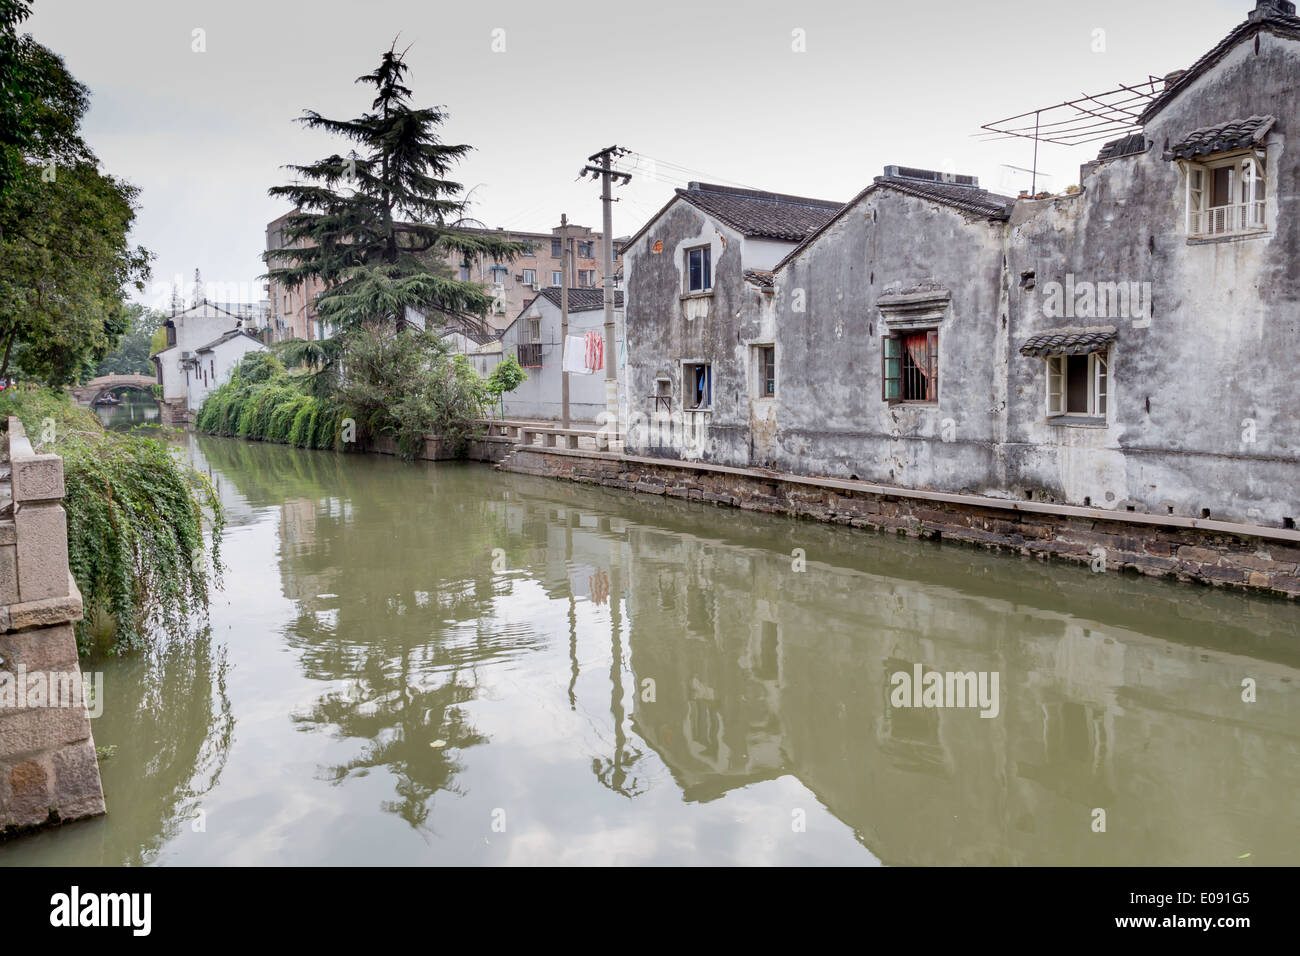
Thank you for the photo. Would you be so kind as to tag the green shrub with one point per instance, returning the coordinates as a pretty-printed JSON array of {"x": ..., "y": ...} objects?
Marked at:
[{"x": 135, "y": 521}]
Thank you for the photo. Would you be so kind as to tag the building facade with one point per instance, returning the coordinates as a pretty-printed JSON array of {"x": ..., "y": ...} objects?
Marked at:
[
  {"x": 1126, "y": 347},
  {"x": 699, "y": 306},
  {"x": 512, "y": 285},
  {"x": 205, "y": 343}
]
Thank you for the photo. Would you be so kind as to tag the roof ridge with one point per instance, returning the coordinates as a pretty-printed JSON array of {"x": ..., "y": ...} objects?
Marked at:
[{"x": 760, "y": 195}]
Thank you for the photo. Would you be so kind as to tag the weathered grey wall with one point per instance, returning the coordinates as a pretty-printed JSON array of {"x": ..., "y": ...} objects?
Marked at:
[
  {"x": 832, "y": 418},
  {"x": 1221, "y": 348}
]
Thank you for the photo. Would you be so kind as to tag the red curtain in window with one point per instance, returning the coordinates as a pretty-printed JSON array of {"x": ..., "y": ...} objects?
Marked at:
[{"x": 918, "y": 349}]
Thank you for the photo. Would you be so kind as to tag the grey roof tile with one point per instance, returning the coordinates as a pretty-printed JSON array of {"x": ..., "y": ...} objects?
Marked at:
[
  {"x": 1236, "y": 134},
  {"x": 1069, "y": 341},
  {"x": 762, "y": 215}
]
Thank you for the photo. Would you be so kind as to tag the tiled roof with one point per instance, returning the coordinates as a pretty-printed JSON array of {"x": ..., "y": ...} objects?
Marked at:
[
  {"x": 233, "y": 333},
  {"x": 1222, "y": 138},
  {"x": 1129, "y": 145},
  {"x": 1069, "y": 341},
  {"x": 1269, "y": 15},
  {"x": 759, "y": 277},
  {"x": 968, "y": 198},
  {"x": 762, "y": 215},
  {"x": 580, "y": 300}
]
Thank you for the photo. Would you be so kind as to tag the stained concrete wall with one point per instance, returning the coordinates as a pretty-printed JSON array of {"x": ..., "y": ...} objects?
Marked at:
[
  {"x": 1205, "y": 413},
  {"x": 667, "y": 329},
  {"x": 832, "y": 419},
  {"x": 49, "y": 772}
]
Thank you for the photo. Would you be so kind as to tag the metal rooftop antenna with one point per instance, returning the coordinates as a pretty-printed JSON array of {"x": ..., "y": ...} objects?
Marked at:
[{"x": 1085, "y": 119}]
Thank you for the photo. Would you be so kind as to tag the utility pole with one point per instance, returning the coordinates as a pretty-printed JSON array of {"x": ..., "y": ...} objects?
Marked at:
[
  {"x": 564, "y": 318},
  {"x": 605, "y": 173}
]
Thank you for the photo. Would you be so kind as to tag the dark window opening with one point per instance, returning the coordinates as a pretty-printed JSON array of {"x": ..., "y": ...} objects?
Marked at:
[
  {"x": 699, "y": 269},
  {"x": 1076, "y": 384},
  {"x": 699, "y": 381},
  {"x": 1221, "y": 186}
]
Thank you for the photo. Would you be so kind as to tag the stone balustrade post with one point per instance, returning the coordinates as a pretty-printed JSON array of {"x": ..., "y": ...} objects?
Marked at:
[{"x": 49, "y": 772}]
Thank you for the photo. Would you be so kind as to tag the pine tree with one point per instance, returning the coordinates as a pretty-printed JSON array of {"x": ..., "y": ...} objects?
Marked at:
[{"x": 374, "y": 225}]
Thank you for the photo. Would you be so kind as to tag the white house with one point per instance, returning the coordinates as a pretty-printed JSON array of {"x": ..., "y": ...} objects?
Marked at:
[
  {"x": 204, "y": 344},
  {"x": 534, "y": 339}
]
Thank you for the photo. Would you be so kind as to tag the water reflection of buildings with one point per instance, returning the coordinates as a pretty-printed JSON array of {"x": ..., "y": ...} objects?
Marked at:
[
  {"x": 1118, "y": 695},
  {"x": 1108, "y": 697}
]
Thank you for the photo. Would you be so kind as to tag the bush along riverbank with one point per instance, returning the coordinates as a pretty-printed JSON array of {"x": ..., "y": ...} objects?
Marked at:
[
  {"x": 136, "y": 523},
  {"x": 404, "y": 386}
]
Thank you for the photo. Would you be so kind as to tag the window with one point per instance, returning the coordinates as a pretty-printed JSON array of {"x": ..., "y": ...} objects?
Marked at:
[
  {"x": 1078, "y": 385},
  {"x": 534, "y": 330},
  {"x": 464, "y": 272},
  {"x": 557, "y": 278},
  {"x": 587, "y": 278},
  {"x": 699, "y": 387},
  {"x": 530, "y": 249},
  {"x": 663, "y": 395},
  {"x": 555, "y": 248},
  {"x": 587, "y": 249},
  {"x": 1225, "y": 197},
  {"x": 910, "y": 370},
  {"x": 699, "y": 269},
  {"x": 530, "y": 277},
  {"x": 765, "y": 371}
]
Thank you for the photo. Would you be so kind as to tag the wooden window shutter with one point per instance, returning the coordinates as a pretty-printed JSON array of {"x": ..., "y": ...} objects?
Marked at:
[{"x": 891, "y": 369}]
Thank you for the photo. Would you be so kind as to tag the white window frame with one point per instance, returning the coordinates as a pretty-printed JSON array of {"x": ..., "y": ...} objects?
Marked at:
[
  {"x": 557, "y": 277},
  {"x": 1246, "y": 211},
  {"x": 1058, "y": 386}
]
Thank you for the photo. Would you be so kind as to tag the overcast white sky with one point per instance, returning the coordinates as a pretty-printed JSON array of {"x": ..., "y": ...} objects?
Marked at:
[{"x": 713, "y": 86}]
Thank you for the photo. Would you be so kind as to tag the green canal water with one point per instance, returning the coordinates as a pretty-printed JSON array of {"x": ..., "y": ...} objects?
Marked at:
[{"x": 442, "y": 664}]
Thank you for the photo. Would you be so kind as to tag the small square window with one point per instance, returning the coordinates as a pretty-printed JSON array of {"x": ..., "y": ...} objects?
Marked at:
[{"x": 1078, "y": 385}]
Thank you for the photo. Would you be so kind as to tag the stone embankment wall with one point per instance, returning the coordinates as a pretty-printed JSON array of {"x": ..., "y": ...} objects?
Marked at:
[
  {"x": 48, "y": 767},
  {"x": 1210, "y": 552}
]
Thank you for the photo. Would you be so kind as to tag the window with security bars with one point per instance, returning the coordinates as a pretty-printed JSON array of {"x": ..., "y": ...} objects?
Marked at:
[
  {"x": 910, "y": 367},
  {"x": 1078, "y": 385}
]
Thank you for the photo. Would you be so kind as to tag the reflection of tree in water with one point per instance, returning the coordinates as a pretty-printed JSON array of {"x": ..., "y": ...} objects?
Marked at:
[
  {"x": 175, "y": 741},
  {"x": 399, "y": 709}
]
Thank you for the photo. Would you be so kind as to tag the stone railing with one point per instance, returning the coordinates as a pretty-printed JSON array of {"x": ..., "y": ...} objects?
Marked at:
[{"x": 48, "y": 768}]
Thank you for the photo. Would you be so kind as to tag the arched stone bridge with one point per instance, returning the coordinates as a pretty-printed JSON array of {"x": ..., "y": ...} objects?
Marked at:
[{"x": 90, "y": 392}]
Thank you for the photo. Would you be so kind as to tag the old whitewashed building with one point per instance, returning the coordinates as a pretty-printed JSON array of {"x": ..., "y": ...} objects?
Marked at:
[
  {"x": 205, "y": 343},
  {"x": 1130, "y": 346}
]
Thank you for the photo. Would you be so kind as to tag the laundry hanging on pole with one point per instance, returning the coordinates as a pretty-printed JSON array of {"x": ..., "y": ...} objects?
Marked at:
[
  {"x": 575, "y": 355},
  {"x": 595, "y": 352}
]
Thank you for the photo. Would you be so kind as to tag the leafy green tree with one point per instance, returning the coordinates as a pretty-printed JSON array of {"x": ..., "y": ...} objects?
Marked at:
[
  {"x": 506, "y": 377},
  {"x": 372, "y": 224},
  {"x": 409, "y": 386},
  {"x": 131, "y": 357},
  {"x": 41, "y": 105},
  {"x": 64, "y": 255}
]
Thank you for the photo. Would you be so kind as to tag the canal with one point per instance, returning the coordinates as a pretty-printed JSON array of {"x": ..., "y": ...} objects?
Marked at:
[{"x": 418, "y": 664}]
